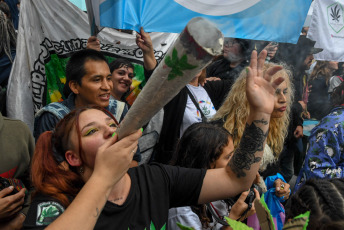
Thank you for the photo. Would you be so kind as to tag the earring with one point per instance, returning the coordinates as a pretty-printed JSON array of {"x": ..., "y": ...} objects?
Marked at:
[{"x": 81, "y": 170}]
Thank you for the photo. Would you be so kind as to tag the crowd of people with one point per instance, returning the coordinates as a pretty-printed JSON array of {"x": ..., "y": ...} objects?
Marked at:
[{"x": 232, "y": 135}]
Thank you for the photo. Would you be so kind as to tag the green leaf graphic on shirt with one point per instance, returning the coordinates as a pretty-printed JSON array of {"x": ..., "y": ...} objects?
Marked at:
[
  {"x": 49, "y": 211},
  {"x": 205, "y": 110},
  {"x": 177, "y": 65}
]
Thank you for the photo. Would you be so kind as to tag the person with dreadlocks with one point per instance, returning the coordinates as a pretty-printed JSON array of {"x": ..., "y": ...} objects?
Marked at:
[
  {"x": 325, "y": 158},
  {"x": 7, "y": 51},
  {"x": 324, "y": 199}
]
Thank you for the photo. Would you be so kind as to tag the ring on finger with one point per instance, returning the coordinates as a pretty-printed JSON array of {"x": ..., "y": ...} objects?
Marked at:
[{"x": 282, "y": 186}]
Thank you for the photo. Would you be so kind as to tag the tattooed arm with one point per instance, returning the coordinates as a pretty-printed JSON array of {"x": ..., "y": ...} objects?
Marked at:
[{"x": 243, "y": 167}]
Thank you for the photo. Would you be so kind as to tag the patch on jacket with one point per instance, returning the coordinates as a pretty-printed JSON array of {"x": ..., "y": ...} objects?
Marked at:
[{"x": 47, "y": 212}]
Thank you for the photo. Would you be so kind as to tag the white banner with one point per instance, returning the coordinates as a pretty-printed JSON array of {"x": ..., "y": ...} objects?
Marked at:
[
  {"x": 51, "y": 30},
  {"x": 327, "y": 29}
]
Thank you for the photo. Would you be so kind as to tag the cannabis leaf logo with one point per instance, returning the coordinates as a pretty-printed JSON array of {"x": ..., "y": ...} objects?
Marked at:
[
  {"x": 49, "y": 211},
  {"x": 335, "y": 13},
  {"x": 177, "y": 65}
]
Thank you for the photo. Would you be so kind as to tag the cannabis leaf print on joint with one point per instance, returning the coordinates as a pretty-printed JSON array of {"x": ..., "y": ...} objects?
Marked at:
[
  {"x": 335, "y": 14},
  {"x": 177, "y": 65}
]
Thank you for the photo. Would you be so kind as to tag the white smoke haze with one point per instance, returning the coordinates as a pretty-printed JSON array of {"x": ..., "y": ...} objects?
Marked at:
[{"x": 202, "y": 29}]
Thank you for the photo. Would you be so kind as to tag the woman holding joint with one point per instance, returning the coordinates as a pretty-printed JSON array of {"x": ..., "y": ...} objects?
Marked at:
[{"x": 93, "y": 188}]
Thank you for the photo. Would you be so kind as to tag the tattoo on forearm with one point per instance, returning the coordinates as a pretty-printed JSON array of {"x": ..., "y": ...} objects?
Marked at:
[
  {"x": 262, "y": 121},
  {"x": 251, "y": 142}
]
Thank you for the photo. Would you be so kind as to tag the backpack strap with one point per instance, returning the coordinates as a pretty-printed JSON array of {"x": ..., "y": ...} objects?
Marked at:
[
  {"x": 56, "y": 108},
  {"x": 204, "y": 119},
  {"x": 340, "y": 78},
  {"x": 116, "y": 108}
]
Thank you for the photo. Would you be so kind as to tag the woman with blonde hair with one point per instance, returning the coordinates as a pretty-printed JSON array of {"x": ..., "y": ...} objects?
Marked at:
[{"x": 235, "y": 110}]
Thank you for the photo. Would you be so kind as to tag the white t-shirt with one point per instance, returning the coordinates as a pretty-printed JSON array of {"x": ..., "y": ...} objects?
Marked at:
[{"x": 191, "y": 113}]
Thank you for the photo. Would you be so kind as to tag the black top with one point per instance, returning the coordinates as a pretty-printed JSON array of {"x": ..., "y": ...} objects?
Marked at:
[
  {"x": 154, "y": 189},
  {"x": 221, "y": 69},
  {"x": 318, "y": 101}
]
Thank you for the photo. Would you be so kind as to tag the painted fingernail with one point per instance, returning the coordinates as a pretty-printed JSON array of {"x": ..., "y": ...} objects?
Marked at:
[
  {"x": 246, "y": 70},
  {"x": 141, "y": 130},
  {"x": 11, "y": 187},
  {"x": 114, "y": 133}
]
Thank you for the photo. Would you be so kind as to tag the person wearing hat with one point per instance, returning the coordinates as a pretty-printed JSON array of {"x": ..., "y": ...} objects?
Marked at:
[
  {"x": 236, "y": 53},
  {"x": 299, "y": 58}
]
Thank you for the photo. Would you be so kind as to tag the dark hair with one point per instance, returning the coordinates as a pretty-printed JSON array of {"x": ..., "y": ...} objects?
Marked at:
[
  {"x": 246, "y": 47},
  {"x": 321, "y": 69},
  {"x": 323, "y": 198},
  {"x": 119, "y": 63},
  {"x": 340, "y": 70},
  {"x": 294, "y": 55},
  {"x": 5, "y": 8},
  {"x": 337, "y": 97},
  {"x": 200, "y": 145},
  {"x": 8, "y": 36},
  {"x": 49, "y": 175},
  {"x": 75, "y": 68}
]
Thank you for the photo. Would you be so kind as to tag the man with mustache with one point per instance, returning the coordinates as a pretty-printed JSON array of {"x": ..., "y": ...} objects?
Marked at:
[{"x": 88, "y": 82}]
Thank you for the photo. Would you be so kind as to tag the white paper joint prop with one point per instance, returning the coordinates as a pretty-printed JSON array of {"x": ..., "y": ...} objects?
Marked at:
[{"x": 195, "y": 47}]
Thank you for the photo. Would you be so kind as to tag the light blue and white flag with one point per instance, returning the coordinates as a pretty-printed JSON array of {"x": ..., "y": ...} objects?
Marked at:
[{"x": 269, "y": 20}]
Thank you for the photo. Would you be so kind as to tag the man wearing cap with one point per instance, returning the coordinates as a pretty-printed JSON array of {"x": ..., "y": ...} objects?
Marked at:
[{"x": 235, "y": 57}]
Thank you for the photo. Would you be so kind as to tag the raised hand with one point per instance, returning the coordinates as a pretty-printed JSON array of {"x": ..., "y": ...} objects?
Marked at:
[
  {"x": 144, "y": 41},
  {"x": 93, "y": 43},
  {"x": 260, "y": 89}
]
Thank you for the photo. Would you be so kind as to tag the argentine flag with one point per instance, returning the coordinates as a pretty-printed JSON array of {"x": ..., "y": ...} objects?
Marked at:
[{"x": 269, "y": 20}]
